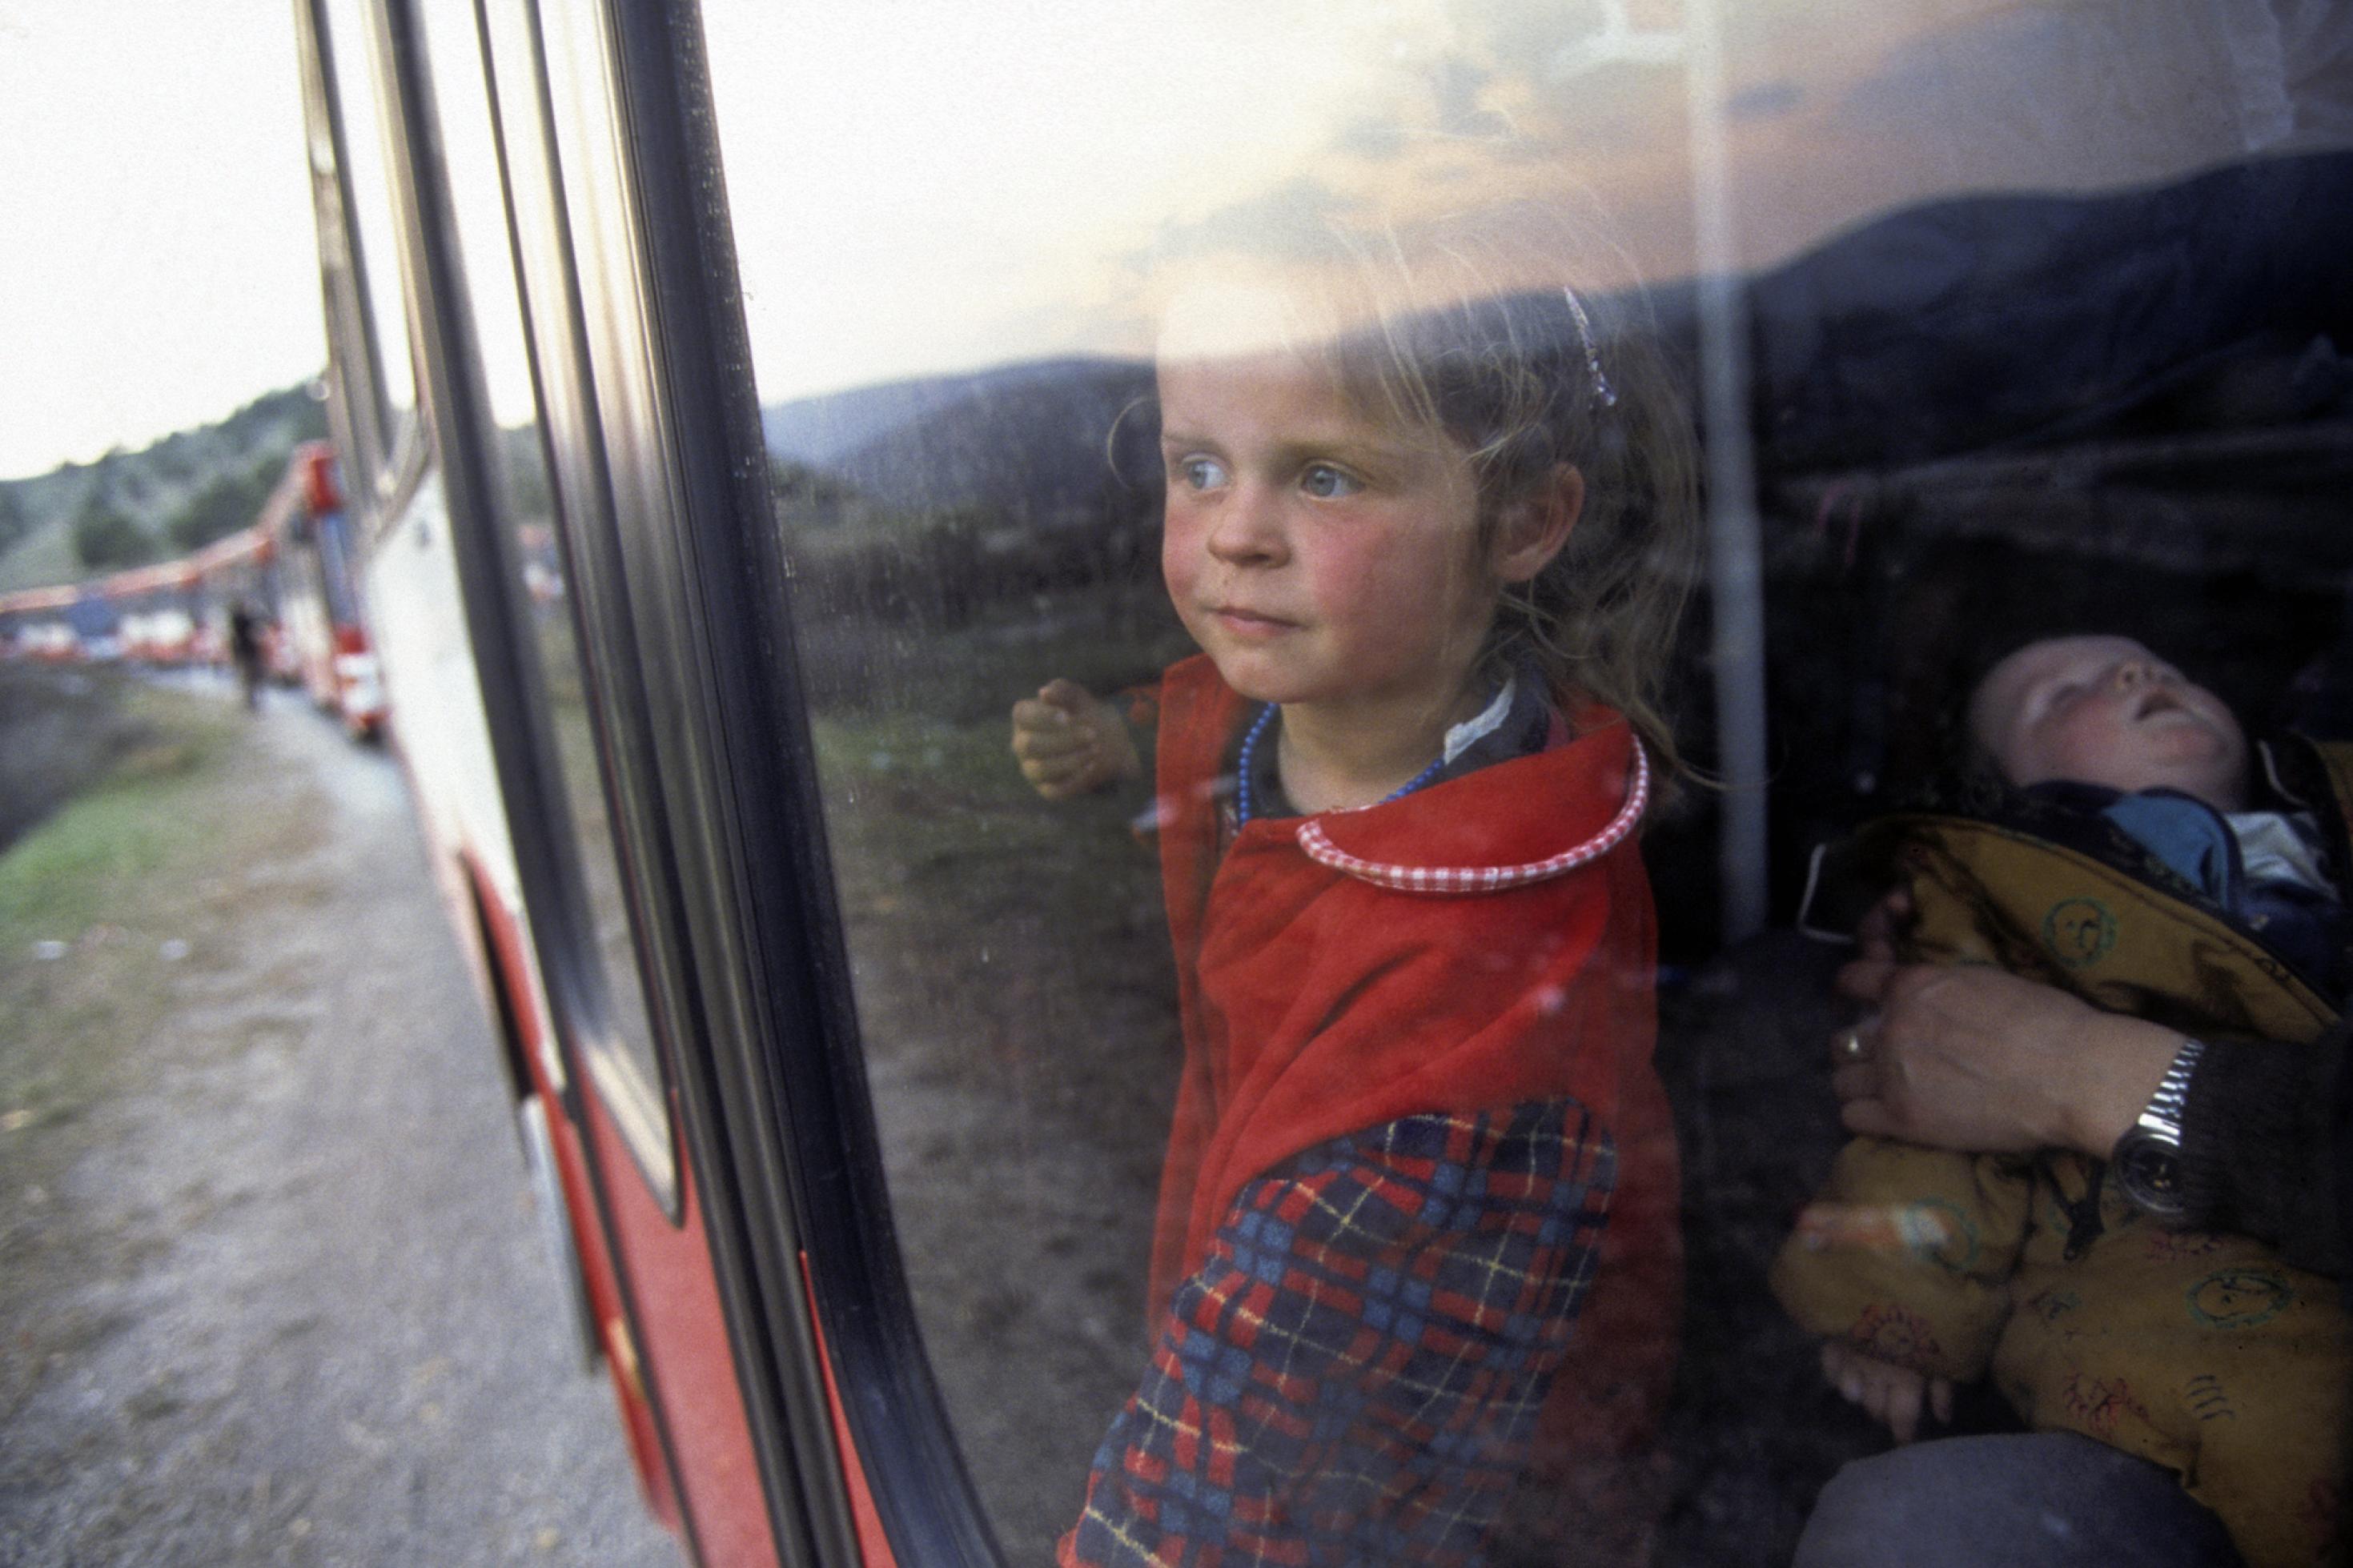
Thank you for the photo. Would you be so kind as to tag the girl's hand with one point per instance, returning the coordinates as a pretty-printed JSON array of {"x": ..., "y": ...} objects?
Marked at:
[
  {"x": 1892, "y": 1395},
  {"x": 1069, "y": 741}
]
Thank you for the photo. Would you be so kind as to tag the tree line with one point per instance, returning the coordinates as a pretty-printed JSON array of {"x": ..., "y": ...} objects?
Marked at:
[{"x": 106, "y": 538}]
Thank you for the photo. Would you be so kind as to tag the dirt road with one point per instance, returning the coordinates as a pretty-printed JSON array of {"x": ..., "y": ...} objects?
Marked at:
[{"x": 296, "y": 1309}]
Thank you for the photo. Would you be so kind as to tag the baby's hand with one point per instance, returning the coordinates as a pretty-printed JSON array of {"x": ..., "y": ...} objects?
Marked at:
[
  {"x": 1890, "y": 1394},
  {"x": 1875, "y": 1227},
  {"x": 1070, "y": 741}
]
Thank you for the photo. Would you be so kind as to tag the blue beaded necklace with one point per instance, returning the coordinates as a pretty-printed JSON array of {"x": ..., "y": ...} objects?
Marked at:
[{"x": 1250, "y": 749}]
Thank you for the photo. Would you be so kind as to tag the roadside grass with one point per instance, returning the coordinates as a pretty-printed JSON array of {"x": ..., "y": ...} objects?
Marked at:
[
  {"x": 1016, "y": 1000},
  {"x": 108, "y": 906},
  {"x": 119, "y": 912},
  {"x": 938, "y": 842}
]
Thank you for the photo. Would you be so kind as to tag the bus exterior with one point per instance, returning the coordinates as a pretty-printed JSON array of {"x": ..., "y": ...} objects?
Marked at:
[
  {"x": 36, "y": 627},
  {"x": 709, "y": 514},
  {"x": 321, "y": 641},
  {"x": 154, "y": 612},
  {"x": 290, "y": 568}
]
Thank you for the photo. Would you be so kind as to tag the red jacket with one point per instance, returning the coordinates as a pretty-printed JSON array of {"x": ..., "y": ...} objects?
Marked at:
[{"x": 1319, "y": 998}]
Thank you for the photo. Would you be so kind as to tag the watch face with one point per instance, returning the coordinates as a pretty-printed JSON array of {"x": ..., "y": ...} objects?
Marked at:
[{"x": 2148, "y": 1169}]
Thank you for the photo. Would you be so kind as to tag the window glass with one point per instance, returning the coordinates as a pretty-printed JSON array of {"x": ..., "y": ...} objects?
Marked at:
[
  {"x": 600, "y": 988},
  {"x": 351, "y": 45},
  {"x": 337, "y": 579},
  {"x": 1997, "y": 316}
]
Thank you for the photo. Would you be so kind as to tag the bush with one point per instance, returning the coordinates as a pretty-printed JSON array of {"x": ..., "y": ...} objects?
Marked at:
[
  {"x": 229, "y": 502},
  {"x": 104, "y": 538}
]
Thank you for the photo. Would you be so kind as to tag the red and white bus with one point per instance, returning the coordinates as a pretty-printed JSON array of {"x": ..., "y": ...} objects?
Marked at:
[
  {"x": 37, "y": 623},
  {"x": 291, "y": 568},
  {"x": 320, "y": 640},
  {"x": 157, "y": 613},
  {"x": 738, "y": 405}
]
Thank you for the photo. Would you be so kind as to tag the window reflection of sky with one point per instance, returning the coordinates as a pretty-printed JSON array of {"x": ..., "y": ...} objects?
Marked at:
[{"x": 930, "y": 186}]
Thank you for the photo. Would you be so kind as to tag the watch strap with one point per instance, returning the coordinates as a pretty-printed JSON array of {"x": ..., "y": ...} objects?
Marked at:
[
  {"x": 2146, "y": 1163},
  {"x": 2170, "y": 1101}
]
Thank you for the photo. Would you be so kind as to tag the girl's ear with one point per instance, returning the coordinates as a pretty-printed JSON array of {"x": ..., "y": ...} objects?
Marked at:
[{"x": 1533, "y": 528}]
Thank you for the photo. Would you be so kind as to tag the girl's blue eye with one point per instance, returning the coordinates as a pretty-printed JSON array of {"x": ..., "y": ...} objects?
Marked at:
[
  {"x": 1201, "y": 473},
  {"x": 1325, "y": 482}
]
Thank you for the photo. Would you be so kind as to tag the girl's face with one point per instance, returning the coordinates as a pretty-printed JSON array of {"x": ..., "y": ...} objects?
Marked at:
[{"x": 1324, "y": 561}]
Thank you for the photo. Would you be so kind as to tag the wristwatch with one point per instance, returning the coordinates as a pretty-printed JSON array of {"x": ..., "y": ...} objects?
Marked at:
[{"x": 2148, "y": 1161}]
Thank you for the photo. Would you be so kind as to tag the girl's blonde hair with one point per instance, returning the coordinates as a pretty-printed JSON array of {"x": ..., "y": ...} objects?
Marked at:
[{"x": 1464, "y": 326}]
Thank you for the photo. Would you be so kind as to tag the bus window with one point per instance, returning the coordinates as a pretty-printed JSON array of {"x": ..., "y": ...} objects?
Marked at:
[
  {"x": 351, "y": 47},
  {"x": 952, "y": 241},
  {"x": 599, "y": 988},
  {"x": 2001, "y": 321}
]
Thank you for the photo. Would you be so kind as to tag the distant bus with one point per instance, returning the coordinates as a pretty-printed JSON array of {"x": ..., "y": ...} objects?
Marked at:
[
  {"x": 707, "y": 513},
  {"x": 320, "y": 640},
  {"x": 35, "y": 624},
  {"x": 291, "y": 568}
]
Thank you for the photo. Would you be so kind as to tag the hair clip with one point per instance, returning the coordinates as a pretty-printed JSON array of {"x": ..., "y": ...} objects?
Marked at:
[{"x": 1601, "y": 387}]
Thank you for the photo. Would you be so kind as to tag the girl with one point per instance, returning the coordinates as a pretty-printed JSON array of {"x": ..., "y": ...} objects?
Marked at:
[{"x": 1431, "y": 535}]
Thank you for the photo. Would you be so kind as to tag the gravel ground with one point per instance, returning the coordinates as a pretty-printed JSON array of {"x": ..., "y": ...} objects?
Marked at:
[{"x": 305, "y": 1316}]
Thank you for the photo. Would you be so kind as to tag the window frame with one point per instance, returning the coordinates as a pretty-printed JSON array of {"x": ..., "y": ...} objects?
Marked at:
[
  {"x": 788, "y": 1073},
  {"x": 392, "y": 443}
]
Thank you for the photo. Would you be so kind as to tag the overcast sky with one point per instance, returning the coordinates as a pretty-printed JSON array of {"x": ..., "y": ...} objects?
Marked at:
[
  {"x": 160, "y": 267},
  {"x": 976, "y": 184}
]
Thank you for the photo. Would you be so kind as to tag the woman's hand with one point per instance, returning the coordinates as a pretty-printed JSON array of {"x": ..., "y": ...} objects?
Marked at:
[
  {"x": 1972, "y": 1058},
  {"x": 1895, "y": 1395},
  {"x": 1068, "y": 742}
]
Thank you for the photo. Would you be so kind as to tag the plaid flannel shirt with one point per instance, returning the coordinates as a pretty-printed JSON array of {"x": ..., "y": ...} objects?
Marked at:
[{"x": 1354, "y": 1375}]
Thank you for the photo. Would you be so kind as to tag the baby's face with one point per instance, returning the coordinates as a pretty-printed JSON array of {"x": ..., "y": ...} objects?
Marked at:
[{"x": 2105, "y": 710}]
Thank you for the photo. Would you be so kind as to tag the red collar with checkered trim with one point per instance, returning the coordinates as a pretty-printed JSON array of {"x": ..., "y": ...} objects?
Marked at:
[{"x": 1439, "y": 841}]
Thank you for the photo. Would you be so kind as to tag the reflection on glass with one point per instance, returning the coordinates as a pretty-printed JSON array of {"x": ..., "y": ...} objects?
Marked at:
[
  {"x": 1011, "y": 966},
  {"x": 619, "y": 1035},
  {"x": 2015, "y": 354},
  {"x": 352, "y": 47}
]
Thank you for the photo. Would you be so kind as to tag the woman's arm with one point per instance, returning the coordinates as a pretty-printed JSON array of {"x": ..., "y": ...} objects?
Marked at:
[
  {"x": 1974, "y": 1058},
  {"x": 2267, "y": 1147},
  {"x": 1977, "y": 1059}
]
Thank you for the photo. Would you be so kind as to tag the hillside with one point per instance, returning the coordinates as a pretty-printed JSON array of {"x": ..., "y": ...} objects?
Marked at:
[
  {"x": 1038, "y": 443},
  {"x": 153, "y": 487},
  {"x": 2009, "y": 321}
]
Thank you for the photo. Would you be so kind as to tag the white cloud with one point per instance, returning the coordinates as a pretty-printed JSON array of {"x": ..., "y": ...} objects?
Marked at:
[{"x": 160, "y": 269}]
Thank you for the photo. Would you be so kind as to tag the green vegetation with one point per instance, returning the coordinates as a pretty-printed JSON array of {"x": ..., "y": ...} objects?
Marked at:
[
  {"x": 105, "y": 539},
  {"x": 937, "y": 839},
  {"x": 285, "y": 417},
  {"x": 125, "y": 908},
  {"x": 43, "y": 557},
  {"x": 225, "y": 504},
  {"x": 898, "y": 599},
  {"x": 135, "y": 506},
  {"x": 109, "y": 903},
  {"x": 13, "y": 522},
  {"x": 807, "y": 496}
]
